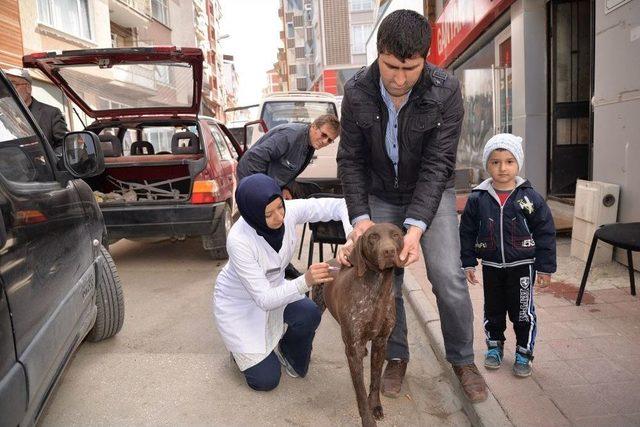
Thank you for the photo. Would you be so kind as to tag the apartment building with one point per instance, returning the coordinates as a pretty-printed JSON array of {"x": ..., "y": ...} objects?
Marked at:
[
  {"x": 342, "y": 30},
  {"x": 55, "y": 25},
  {"x": 231, "y": 82},
  {"x": 324, "y": 41}
]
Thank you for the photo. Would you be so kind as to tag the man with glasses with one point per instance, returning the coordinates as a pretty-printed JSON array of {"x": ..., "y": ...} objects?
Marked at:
[
  {"x": 285, "y": 151},
  {"x": 50, "y": 119}
]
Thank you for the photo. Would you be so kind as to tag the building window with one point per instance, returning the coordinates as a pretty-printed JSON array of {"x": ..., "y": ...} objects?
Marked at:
[
  {"x": 290, "y": 30},
  {"x": 292, "y": 69},
  {"x": 359, "y": 35},
  {"x": 360, "y": 5},
  {"x": 299, "y": 52},
  {"x": 298, "y": 21},
  {"x": 160, "y": 11},
  {"x": 301, "y": 84},
  {"x": 70, "y": 16}
]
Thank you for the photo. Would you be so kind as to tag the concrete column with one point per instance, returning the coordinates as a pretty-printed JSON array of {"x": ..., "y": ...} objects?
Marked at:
[{"x": 529, "y": 71}]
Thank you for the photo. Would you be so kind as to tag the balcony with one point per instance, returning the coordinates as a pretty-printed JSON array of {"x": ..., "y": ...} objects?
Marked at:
[{"x": 130, "y": 13}]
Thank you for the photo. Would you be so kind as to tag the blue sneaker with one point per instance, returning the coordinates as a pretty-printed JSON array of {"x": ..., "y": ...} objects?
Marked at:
[
  {"x": 493, "y": 357},
  {"x": 522, "y": 366}
]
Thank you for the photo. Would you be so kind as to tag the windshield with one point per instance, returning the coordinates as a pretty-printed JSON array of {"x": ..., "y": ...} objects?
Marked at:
[
  {"x": 279, "y": 112},
  {"x": 131, "y": 85}
]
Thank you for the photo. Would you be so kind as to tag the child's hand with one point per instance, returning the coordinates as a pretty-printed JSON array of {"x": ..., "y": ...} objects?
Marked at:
[
  {"x": 543, "y": 280},
  {"x": 471, "y": 277}
]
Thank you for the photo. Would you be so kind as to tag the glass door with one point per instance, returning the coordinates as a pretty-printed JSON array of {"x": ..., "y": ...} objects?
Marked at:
[{"x": 570, "y": 134}]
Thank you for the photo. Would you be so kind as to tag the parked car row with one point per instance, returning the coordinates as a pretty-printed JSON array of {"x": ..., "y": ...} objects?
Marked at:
[{"x": 147, "y": 166}]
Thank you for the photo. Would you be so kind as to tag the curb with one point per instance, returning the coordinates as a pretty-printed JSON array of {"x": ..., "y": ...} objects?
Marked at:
[{"x": 485, "y": 414}]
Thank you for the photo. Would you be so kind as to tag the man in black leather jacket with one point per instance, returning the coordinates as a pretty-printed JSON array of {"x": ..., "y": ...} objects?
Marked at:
[{"x": 401, "y": 121}]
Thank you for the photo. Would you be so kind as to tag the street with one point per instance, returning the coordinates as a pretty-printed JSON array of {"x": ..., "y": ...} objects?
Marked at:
[{"x": 168, "y": 365}]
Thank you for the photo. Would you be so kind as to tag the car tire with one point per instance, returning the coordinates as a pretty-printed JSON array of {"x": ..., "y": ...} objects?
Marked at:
[
  {"x": 219, "y": 251},
  {"x": 109, "y": 300}
]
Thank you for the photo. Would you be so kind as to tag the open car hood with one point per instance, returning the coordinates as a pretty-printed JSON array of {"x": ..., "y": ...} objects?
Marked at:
[{"x": 126, "y": 81}]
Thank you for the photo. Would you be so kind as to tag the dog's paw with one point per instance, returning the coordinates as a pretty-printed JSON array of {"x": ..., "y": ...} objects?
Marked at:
[{"x": 378, "y": 414}]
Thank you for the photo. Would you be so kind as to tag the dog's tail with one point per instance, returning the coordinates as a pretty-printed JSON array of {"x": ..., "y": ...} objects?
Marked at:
[{"x": 317, "y": 295}]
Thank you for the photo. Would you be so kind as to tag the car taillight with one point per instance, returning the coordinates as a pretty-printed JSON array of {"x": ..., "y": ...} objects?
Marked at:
[{"x": 204, "y": 192}]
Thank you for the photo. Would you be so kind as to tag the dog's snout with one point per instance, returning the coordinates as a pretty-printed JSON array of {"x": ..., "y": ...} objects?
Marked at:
[{"x": 389, "y": 251}]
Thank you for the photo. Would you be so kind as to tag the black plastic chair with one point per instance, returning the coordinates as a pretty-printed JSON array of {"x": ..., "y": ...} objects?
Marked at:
[
  {"x": 623, "y": 236},
  {"x": 331, "y": 232}
]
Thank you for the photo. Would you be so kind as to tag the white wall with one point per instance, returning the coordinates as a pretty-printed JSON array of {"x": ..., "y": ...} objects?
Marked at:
[
  {"x": 616, "y": 104},
  {"x": 528, "y": 49}
]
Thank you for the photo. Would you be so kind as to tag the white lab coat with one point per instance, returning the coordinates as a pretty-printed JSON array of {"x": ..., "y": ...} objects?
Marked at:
[{"x": 251, "y": 292}]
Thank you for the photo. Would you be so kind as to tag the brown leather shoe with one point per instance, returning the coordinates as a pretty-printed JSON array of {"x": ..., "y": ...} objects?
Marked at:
[
  {"x": 392, "y": 377},
  {"x": 472, "y": 382}
]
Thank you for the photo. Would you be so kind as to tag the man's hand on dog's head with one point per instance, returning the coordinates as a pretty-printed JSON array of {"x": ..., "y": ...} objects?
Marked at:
[{"x": 358, "y": 230}]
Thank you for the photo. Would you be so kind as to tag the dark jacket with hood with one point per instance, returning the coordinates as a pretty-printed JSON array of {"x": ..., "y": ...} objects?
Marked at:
[
  {"x": 282, "y": 153},
  {"x": 518, "y": 233},
  {"x": 428, "y": 132}
]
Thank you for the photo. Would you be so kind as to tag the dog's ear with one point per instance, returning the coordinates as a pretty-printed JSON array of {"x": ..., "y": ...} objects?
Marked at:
[{"x": 357, "y": 257}]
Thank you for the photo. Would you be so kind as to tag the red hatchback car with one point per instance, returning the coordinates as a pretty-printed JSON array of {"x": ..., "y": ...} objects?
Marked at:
[{"x": 169, "y": 172}]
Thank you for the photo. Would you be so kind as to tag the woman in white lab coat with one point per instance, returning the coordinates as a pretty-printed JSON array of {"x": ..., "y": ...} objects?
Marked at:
[{"x": 264, "y": 319}]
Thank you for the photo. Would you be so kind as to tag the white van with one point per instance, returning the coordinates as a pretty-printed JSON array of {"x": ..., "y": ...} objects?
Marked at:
[{"x": 304, "y": 107}]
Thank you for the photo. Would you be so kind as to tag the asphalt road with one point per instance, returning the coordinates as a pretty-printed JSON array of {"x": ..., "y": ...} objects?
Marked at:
[{"x": 168, "y": 365}]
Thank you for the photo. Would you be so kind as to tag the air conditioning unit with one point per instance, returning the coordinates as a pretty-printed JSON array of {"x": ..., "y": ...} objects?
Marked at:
[{"x": 596, "y": 204}]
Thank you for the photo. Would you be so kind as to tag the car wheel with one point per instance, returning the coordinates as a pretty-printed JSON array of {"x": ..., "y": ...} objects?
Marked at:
[
  {"x": 219, "y": 236},
  {"x": 109, "y": 300}
]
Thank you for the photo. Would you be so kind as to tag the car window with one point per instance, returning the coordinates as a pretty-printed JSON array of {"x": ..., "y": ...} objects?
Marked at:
[
  {"x": 22, "y": 155},
  {"x": 221, "y": 145},
  {"x": 276, "y": 113}
]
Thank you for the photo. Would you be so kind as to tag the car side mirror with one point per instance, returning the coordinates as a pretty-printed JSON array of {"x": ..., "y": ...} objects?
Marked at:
[{"x": 82, "y": 154}]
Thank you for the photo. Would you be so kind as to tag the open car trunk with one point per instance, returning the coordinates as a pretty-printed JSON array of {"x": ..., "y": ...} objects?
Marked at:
[{"x": 155, "y": 179}]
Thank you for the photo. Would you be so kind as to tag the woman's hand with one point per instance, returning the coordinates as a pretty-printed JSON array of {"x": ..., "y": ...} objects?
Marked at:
[{"x": 318, "y": 274}]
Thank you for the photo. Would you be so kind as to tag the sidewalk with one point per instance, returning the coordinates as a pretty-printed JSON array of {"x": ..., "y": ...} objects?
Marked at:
[{"x": 587, "y": 359}]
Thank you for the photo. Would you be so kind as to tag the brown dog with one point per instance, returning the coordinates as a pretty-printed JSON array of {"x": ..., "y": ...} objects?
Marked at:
[{"x": 361, "y": 299}]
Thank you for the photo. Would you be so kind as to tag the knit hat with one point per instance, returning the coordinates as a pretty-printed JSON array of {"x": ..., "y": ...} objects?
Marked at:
[
  {"x": 19, "y": 72},
  {"x": 506, "y": 141}
]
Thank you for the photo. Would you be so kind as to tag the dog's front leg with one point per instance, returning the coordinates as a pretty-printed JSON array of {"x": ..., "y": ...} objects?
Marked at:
[
  {"x": 355, "y": 354},
  {"x": 378, "y": 351}
]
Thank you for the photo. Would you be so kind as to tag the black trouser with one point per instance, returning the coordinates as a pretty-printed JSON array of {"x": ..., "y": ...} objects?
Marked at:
[{"x": 510, "y": 290}]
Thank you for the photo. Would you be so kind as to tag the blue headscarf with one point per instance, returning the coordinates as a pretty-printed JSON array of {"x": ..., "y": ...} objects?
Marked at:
[{"x": 253, "y": 195}]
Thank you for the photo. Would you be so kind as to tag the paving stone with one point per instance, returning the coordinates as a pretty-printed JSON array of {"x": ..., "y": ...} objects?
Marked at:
[
  {"x": 598, "y": 371},
  {"x": 580, "y": 401},
  {"x": 525, "y": 410},
  {"x": 558, "y": 373}
]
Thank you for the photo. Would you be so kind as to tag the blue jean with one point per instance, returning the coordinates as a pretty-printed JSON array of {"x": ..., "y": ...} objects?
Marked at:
[
  {"x": 302, "y": 318},
  {"x": 441, "y": 248}
]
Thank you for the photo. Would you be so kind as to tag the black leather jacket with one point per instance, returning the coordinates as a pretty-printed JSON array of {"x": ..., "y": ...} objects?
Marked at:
[{"x": 428, "y": 132}]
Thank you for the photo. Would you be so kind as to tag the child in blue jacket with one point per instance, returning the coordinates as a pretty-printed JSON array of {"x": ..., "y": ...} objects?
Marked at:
[{"x": 509, "y": 226}]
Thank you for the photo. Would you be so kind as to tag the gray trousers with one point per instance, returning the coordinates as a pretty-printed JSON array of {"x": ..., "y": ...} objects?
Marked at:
[{"x": 441, "y": 248}]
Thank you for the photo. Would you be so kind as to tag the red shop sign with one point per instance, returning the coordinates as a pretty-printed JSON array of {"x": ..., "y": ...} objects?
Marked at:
[{"x": 459, "y": 25}]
